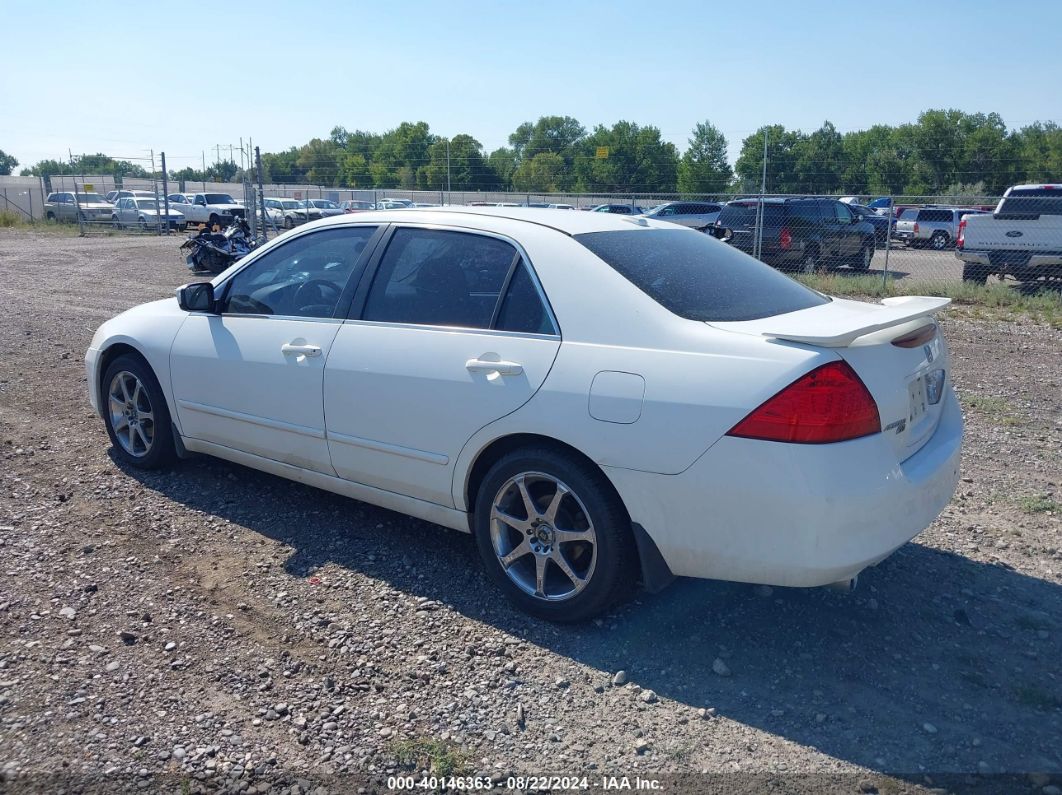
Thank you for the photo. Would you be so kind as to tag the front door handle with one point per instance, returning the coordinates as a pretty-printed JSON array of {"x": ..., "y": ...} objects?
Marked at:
[
  {"x": 487, "y": 366},
  {"x": 300, "y": 350}
]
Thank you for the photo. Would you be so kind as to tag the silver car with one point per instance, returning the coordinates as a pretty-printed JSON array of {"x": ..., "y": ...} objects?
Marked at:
[
  {"x": 86, "y": 207},
  {"x": 145, "y": 213},
  {"x": 694, "y": 214},
  {"x": 935, "y": 227}
]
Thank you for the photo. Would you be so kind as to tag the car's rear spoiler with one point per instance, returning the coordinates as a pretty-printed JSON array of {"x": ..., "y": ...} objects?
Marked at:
[{"x": 840, "y": 322}]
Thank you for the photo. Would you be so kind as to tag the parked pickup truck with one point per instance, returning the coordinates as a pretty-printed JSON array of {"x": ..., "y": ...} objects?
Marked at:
[
  {"x": 211, "y": 209},
  {"x": 1022, "y": 238}
]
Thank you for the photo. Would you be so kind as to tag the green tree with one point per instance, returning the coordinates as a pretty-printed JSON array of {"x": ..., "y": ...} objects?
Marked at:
[
  {"x": 319, "y": 162},
  {"x": 782, "y": 175},
  {"x": 502, "y": 162},
  {"x": 7, "y": 163},
  {"x": 638, "y": 160},
  {"x": 819, "y": 160},
  {"x": 542, "y": 173},
  {"x": 468, "y": 169},
  {"x": 559, "y": 135},
  {"x": 704, "y": 167}
]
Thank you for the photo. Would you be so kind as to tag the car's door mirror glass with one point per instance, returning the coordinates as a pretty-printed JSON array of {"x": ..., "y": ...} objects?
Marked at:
[{"x": 197, "y": 297}]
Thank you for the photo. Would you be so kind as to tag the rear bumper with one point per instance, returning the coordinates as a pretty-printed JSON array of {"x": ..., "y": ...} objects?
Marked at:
[
  {"x": 1011, "y": 261},
  {"x": 794, "y": 515}
]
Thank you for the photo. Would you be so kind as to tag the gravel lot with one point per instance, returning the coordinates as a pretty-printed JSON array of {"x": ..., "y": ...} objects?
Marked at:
[{"x": 215, "y": 627}]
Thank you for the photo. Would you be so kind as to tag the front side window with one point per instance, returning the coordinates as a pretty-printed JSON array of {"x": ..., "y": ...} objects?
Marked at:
[
  {"x": 842, "y": 213},
  {"x": 439, "y": 278},
  {"x": 302, "y": 278}
]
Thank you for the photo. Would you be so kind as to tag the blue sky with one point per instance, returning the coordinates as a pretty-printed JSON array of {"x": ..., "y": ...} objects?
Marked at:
[{"x": 122, "y": 79}]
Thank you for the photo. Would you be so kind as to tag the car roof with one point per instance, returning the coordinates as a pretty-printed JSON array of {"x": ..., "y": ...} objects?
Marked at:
[{"x": 568, "y": 223}]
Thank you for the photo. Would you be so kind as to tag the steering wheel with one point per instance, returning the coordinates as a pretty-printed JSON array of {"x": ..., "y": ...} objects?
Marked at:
[{"x": 316, "y": 296}]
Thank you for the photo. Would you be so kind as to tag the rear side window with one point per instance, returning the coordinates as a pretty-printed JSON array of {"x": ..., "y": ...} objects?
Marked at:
[
  {"x": 523, "y": 310},
  {"x": 742, "y": 215},
  {"x": 806, "y": 212},
  {"x": 935, "y": 216},
  {"x": 439, "y": 278},
  {"x": 698, "y": 277},
  {"x": 909, "y": 215}
]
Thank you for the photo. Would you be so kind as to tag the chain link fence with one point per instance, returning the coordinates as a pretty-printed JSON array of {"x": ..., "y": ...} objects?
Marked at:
[{"x": 905, "y": 240}]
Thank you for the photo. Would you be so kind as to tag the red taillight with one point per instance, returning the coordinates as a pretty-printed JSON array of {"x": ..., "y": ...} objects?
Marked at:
[
  {"x": 829, "y": 404},
  {"x": 785, "y": 239},
  {"x": 961, "y": 239},
  {"x": 916, "y": 227}
]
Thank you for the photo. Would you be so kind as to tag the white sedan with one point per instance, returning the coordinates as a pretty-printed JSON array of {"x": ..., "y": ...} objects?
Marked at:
[{"x": 598, "y": 399}]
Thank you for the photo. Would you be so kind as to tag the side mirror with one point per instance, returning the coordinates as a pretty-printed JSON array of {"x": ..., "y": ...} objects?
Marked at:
[{"x": 197, "y": 297}]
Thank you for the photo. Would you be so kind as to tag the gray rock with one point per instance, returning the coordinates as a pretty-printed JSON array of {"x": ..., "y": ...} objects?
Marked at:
[
  {"x": 620, "y": 678},
  {"x": 641, "y": 747},
  {"x": 113, "y": 665},
  {"x": 170, "y": 646},
  {"x": 68, "y": 612},
  {"x": 929, "y": 728},
  {"x": 648, "y": 696},
  {"x": 562, "y": 683},
  {"x": 720, "y": 667}
]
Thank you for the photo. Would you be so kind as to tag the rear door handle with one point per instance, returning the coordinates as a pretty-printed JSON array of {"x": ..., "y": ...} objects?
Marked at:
[
  {"x": 487, "y": 366},
  {"x": 301, "y": 350}
]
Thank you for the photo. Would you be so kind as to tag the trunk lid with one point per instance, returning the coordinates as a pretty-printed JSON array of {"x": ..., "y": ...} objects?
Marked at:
[
  {"x": 903, "y": 380},
  {"x": 1013, "y": 232}
]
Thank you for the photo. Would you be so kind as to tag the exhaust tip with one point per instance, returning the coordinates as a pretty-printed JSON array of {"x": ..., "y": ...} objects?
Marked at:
[{"x": 844, "y": 586}]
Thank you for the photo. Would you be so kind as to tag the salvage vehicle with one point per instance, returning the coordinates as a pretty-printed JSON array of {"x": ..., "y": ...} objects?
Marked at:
[
  {"x": 84, "y": 207},
  {"x": 1022, "y": 238},
  {"x": 212, "y": 209},
  {"x": 598, "y": 399},
  {"x": 145, "y": 214}
]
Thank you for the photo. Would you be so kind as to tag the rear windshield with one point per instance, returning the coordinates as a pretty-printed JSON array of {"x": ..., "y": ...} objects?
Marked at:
[
  {"x": 738, "y": 215},
  {"x": 1032, "y": 201},
  {"x": 697, "y": 277}
]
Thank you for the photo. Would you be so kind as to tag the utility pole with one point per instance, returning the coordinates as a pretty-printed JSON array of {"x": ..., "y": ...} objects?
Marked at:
[
  {"x": 261, "y": 192},
  {"x": 758, "y": 243},
  {"x": 166, "y": 192},
  {"x": 155, "y": 191},
  {"x": 447, "y": 165}
]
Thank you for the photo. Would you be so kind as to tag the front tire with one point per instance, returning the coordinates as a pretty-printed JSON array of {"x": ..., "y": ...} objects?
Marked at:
[
  {"x": 554, "y": 536},
  {"x": 136, "y": 415},
  {"x": 862, "y": 260}
]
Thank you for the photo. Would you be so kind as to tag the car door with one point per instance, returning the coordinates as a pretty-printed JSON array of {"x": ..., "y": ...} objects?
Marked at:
[
  {"x": 250, "y": 376},
  {"x": 452, "y": 333},
  {"x": 849, "y": 235}
]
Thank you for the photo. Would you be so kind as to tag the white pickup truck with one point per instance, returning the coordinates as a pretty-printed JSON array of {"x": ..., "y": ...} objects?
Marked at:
[
  {"x": 1022, "y": 238},
  {"x": 211, "y": 209}
]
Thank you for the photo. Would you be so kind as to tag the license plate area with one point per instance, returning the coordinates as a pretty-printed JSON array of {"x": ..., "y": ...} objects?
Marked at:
[{"x": 919, "y": 402}]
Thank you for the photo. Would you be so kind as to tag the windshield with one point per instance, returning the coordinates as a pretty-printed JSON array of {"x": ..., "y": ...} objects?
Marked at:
[
  {"x": 86, "y": 198},
  {"x": 698, "y": 277},
  {"x": 149, "y": 203},
  {"x": 324, "y": 204},
  {"x": 219, "y": 198}
]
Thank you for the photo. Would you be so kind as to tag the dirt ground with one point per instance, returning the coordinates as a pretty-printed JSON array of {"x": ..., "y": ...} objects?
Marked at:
[{"x": 278, "y": 635}]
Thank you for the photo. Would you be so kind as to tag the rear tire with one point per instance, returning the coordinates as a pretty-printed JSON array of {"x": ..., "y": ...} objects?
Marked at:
[
  {"x": 939, "y": 241},
  {"x": 811, "y": 263},
  {"x": 977, "y": 274},
  {"x": 585, "y": 530}
]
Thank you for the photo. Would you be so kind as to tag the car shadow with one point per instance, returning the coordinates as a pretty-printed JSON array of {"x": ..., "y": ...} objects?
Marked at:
[{"x": 937, "y": 664}]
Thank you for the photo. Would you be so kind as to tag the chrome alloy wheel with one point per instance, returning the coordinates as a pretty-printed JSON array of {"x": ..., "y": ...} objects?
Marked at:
[
  {"x": 543, "y": 536},
  {"x": 131, "y": 416}
]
